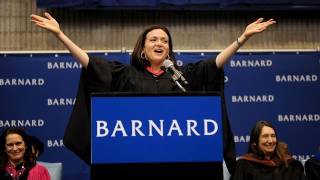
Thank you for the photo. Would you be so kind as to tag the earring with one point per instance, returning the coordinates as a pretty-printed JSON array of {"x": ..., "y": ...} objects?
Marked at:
[{"x": 142, "y": 55}]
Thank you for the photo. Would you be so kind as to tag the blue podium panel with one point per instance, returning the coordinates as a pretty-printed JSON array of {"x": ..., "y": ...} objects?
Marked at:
[{"x": 156, "y": 129}]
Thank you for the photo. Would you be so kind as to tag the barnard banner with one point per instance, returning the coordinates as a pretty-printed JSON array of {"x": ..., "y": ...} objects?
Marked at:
[
  {"x": 38, "y": 91},
  {"x": 170, "y": 128}
]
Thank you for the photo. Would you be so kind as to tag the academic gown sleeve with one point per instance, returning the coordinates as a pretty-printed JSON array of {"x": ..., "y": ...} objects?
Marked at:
[
  {"x": 98, "y": 77},
  {"x": 206, "y": 76}
]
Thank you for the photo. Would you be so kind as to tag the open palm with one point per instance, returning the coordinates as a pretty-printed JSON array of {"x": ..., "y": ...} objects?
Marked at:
[
  {"x": 47, "y": 22},
  {"x": 258, "y": 26}
]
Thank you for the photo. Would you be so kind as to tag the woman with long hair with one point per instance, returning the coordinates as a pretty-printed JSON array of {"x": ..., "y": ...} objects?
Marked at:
[
  {"x": 17, "y": 161},
  {"x": 267, "y": 158}
]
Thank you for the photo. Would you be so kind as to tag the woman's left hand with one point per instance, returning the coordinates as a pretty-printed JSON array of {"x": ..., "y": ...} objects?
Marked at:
[{"x": 258, "y": 26}]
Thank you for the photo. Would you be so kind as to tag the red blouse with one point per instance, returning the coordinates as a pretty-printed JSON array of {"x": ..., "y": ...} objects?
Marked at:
[{"x": 38, "y": 172}]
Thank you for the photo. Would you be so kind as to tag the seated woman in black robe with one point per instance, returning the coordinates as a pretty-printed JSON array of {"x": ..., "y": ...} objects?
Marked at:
[
  {"x": 312, "y": 167},
  {"x": 144, "y": 75},
  {"x": 267, "y": 158}
]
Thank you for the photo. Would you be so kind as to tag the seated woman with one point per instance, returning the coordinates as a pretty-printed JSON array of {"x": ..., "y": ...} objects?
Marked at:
[
  {"x": 312, "y": 167},
  {"x": 267, "y": 158},
  {"x": 16, "y": 159}
]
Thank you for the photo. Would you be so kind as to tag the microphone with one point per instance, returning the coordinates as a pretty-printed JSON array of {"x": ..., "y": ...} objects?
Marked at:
[{"x": 176, "y": 74}]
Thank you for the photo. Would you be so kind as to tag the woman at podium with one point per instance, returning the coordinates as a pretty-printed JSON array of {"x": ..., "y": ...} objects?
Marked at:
[{"x": 145, "y": 74}]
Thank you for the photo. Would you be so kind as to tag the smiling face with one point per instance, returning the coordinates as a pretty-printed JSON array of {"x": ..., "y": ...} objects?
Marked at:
[
  {"x": 15, "y": 147},
  {"x": 267, "y": 140},
  {"x": 156, "y": 47}
]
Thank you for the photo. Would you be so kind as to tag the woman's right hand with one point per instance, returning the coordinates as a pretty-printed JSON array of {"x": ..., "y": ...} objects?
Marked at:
[{"x": 47, "y": 22}]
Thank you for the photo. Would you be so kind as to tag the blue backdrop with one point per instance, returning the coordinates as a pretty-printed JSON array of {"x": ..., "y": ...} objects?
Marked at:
[{"x": 37, "y": 92}]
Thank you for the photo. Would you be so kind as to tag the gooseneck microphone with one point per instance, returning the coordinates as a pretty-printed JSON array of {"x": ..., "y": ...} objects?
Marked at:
[{"x": 175, "y": 74}]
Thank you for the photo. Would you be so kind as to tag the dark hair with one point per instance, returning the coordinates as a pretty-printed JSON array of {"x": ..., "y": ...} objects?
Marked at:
[
  {"x": 281, "y": 150},
  {"x": 37, "y": 145},
  {"x": 136, "y": 59},
  {"x": 28, "y": 158}
]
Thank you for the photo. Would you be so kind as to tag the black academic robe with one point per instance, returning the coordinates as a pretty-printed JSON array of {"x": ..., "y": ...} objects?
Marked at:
[
  {"x": 107, "y": 76},
  {"x": 312, "y": 167},
  {"x": 249, "y": 170}
]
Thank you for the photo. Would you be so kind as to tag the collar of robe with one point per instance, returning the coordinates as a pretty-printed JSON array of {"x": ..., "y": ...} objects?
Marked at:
[{"x": 274, "y": 162}]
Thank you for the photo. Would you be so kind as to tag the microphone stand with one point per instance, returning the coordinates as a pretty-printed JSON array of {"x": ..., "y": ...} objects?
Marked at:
[{"x": 179, "y": 85}]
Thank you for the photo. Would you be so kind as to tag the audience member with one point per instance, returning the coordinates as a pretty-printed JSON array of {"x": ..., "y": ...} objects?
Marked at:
[
  {"x": 267, "y": 158},
  {"x": 16, "y": 159}
]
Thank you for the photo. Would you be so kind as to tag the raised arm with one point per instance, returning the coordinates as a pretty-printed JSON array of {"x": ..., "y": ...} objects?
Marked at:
[
  {"x": 256, "y": 27},
  {"x": 50, "y": 24}
]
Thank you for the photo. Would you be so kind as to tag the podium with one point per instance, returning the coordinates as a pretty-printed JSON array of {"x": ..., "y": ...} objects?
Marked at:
[{"x": 147, "y": 136}]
